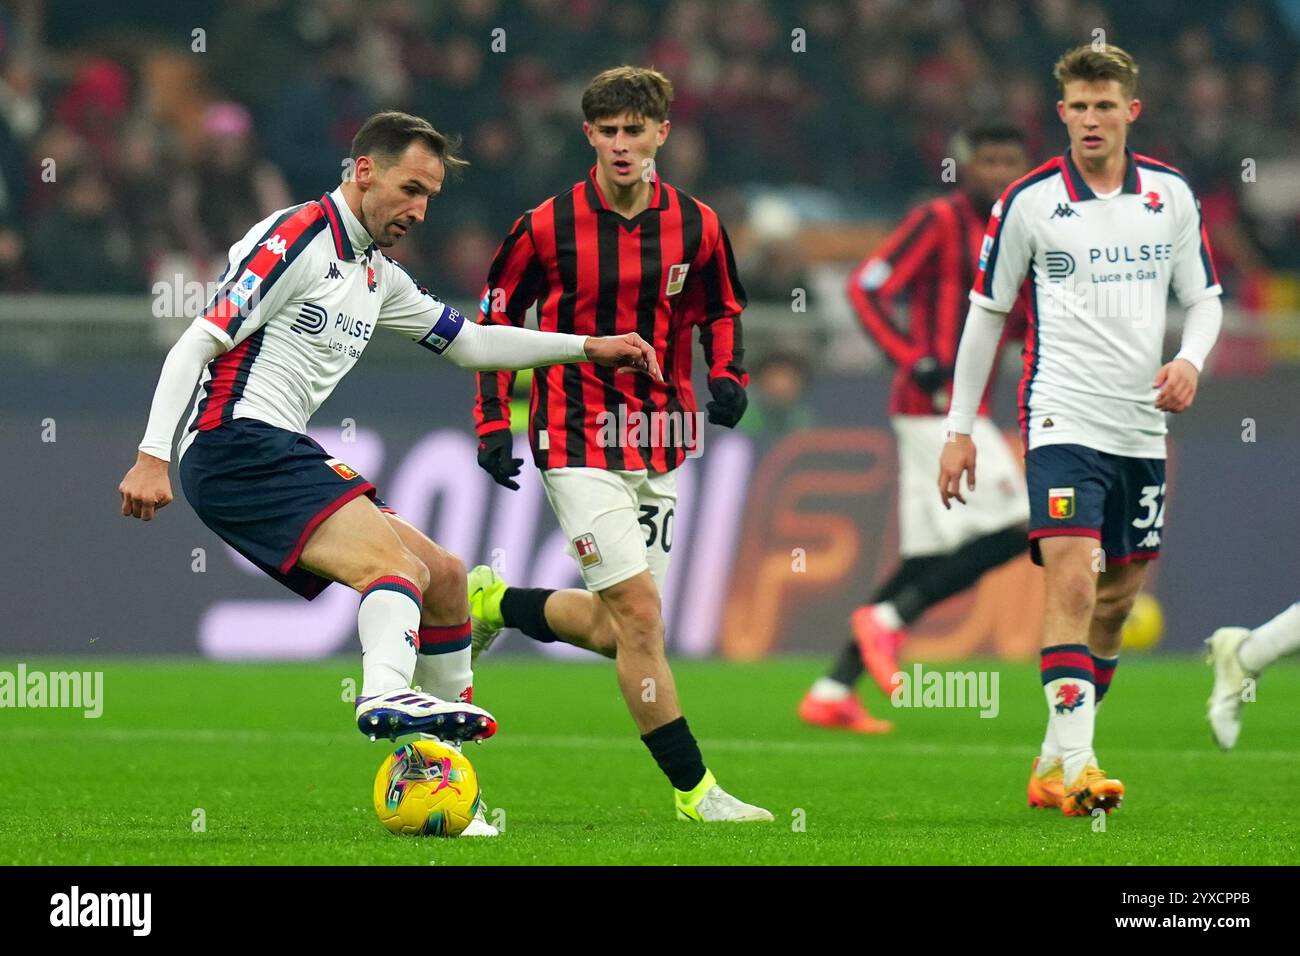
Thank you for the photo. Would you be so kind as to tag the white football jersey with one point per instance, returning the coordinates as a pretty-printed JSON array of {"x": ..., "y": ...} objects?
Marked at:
[
  {"x": 1100, "y": 270},
  {"x": 302, "y": 293}
]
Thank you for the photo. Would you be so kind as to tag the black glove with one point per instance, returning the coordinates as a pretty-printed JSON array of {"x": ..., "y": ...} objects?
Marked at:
[
  {"x": 729, "y": 402},
  {"x": 929, "y": 375},
  {"x": 494, "y": 451}
]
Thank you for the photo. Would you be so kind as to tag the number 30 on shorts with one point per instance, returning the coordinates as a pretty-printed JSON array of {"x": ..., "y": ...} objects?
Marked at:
[
  {"x": 1153, "y": 500},
  {"x": 661, "y": 532}
]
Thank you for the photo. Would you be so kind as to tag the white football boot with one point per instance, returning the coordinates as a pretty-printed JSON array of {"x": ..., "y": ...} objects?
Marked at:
[
  {"x": 478, "y": 827},
  {"x": 1224, "y": 705},
  {"x": 410, "y": 711},
  {"x": 709, "y": 803}
]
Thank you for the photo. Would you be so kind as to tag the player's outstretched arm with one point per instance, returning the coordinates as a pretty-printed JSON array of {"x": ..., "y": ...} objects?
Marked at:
[
  {"x": 624, "y": 353},
  {"x": 146, "y": 487},
  {"x": 496, "y": 347}
]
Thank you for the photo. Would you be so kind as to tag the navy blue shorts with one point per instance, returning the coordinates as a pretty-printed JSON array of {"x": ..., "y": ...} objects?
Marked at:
[
  {"x": 264, "y": 490},
  {"x": 1076, "y": 490}
]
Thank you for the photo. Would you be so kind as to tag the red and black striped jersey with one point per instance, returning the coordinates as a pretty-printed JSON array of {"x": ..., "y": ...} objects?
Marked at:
[
  {"x": 662, "y": 273},
  {"x": 932, "y": 257}
]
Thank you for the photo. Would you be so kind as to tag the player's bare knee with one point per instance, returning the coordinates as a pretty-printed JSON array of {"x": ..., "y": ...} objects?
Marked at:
[
  {"x": 447, "y": 576},
  {"x": 1111, "y": 611},
  {"x": 1074, "y": 595},
  {"x": 405, "y": 564},
  {"x": 636, "y": 617}
]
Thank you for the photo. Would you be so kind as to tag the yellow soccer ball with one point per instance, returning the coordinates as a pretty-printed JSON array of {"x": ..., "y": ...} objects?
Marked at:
[
  {"x": 1145, "y": 625},
  {"x": 426, "y": 788}
]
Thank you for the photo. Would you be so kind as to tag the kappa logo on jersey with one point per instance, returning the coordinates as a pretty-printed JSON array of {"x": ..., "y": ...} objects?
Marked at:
[
  {"x": 1068, "y": 697},
  {"x": 413, "y": 638},
  {"x": 1063, "y": 211},
  {"x": 1060, "y": 503},
  {"x": 588, "y": 553},
  {"x": 342, "y": 470},
  {"x": 1059, "y": 265},
  {"x": 677, "y": 278},
  {"x": 311, "y": 319},
  {"x": 333, "y": 272},
  {"x": 1153, "y": 203},
  {"x": 1152, "y": 540},
  {"x": 276, "y": 246},
  {"x": 371, "y": 282}
]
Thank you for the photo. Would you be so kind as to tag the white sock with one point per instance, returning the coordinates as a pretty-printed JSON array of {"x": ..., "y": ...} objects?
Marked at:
[
  {"x": 826, "y": 688},
  {"x": 887, "y": 615},
  {"x": 388, "y": 621},
  {"x": 1072, "y": 713},
  {"x": 446, "y": 676},
  {"x": 1268, "y": 642},
  {"x": 1050, "y": 752}
]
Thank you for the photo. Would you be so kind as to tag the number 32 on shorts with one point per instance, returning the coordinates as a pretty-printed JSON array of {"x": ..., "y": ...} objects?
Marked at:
[
  {"x": 1153, "y": 500},
  {"x": 661, "y": 532}
]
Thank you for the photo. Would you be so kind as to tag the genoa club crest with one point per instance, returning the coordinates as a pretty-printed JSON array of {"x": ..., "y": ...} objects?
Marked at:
[
  {"x": 1060, "y": 503},
  {"x": 342, "y": 470}
]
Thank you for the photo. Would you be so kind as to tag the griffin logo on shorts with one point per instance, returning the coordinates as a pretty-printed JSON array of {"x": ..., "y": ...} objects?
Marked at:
[
  {"x": 1060, "y": 503},
  {"x": 341, "y": 469},
  {"x": 588, "y": 553}
]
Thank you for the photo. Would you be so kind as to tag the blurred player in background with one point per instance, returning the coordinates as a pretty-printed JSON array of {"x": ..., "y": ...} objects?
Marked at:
[
  {"x": 1102, "y": 235},
  {"x": 1237, "y": 655},
  {"x": 931, "y": 257},
  {"x": 299, "y": 299},
  {"x": 620, "y": 250}
]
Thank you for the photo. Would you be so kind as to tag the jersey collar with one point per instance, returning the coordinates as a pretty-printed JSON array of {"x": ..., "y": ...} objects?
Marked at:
[
  {"x": 345, "y": 229},
  {"x": 596, "y": 199},
  {"x": 1080, "y": 190}
]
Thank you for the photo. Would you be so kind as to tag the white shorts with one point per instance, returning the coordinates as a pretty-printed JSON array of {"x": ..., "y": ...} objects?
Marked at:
[
  {"x": 619, "y": 523},
  {"x": 1000, "y": 499}
]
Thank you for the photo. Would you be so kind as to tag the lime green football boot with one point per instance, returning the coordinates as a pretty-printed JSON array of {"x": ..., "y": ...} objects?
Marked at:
[
  {"x": 709, "y": 803},
  {"x": 486, "y": 588}
]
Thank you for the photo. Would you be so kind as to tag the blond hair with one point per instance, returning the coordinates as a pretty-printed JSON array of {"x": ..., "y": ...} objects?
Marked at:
[{"x": 1097, "y": 64}]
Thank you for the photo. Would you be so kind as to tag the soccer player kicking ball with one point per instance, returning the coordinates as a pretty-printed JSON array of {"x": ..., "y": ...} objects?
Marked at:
[
  {"x": 930, "y": 256},
  {"x": 1102, "y": 235},
  {"x": 1238, "y": 655},
  {"x": 620, "y": 250},
  {"x": 301, "y": 295}
]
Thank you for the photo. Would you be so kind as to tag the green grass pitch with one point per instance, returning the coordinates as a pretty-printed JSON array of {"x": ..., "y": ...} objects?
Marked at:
[{"x": 270, "y": 755}]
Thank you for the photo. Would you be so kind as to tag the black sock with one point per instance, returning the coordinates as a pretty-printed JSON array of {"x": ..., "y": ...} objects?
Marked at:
[
  {"x": 678, "y": 755},
  {"x": 848, "y": 668},
  {"x": 525, "y": 609},
  {"x": 954, "y": 573}
]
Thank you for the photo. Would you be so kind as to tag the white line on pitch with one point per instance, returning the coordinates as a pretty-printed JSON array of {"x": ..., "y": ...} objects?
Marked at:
[{"x": 865, "y": 748}]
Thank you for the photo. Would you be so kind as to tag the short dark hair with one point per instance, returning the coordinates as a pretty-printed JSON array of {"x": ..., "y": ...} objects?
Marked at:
[
  {"x": 981, "y": 133},
  {"x": 993, "y": 131},
  {"x": 1097, "y": 64},
  {"x": 641, "y": 91},
  {"x": 385, "y": 136}
]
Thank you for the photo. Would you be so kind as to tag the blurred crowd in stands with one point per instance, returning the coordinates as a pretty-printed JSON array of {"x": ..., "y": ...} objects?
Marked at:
[{"x": 132, "y": 146}]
